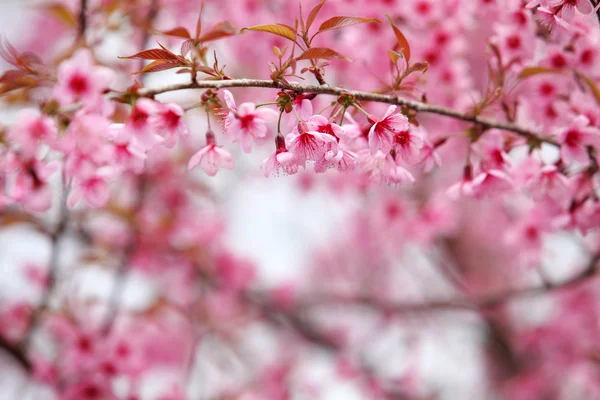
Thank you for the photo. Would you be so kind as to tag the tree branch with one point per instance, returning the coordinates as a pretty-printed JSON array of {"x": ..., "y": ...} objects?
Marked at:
[
  {"x": 358, "y": 95},
  {"x": 474, "y": 304},
  {"x": 16, "y": 352},
  {"x": 82, "y": 18}
]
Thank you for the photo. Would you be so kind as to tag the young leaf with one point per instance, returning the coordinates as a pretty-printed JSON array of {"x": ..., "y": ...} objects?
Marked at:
[
  {"x": 280, "y": 30},
  {"x": 220, "y": 30},
  {"x": 340, "y": 22},
  {"x": 199, "y": 22},
  {"x": 153, "y": 54},
  {"x": 159, "y": 65},
  {"x": 320, "y": 52},
  {"x": 180, "y": 31},
  {"x": 401, "y": 42},
  {"x": 313, "y": 14},
  {"x": 186, "y": 47},
  {"x": 530, "y": 71}
]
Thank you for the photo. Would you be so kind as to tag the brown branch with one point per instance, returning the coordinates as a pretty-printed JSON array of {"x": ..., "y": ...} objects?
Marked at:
[
  {"x": 16, "y": 352},
  {"x": 473, "y": 304},
  {"x": 55, "y": 238},
  {"x": 358, "y": 95},
  {"x": 82, "y": 19}
]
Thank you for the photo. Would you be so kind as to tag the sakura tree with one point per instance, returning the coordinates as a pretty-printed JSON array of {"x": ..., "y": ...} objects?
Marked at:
[{"x": 457, "y": 145}]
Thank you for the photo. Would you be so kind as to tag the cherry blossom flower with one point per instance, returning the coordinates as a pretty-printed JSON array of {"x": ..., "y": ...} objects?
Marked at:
[
  {"x": 282, "y": 158},
  {"x": 308, "y": 145},
  {"x": 575, "y": 138},
  {"x": 169, "y": 124},
  {"x": 407, "y": 144},
  {"x": 80, "y": 80},
  {"x": 382, "y": 167},
  {"x": 211, "y": 157},
  {"x": 246, "y": 124},
  {"x": 382, "y": 132},
  {"x": 33, "y": 129}
]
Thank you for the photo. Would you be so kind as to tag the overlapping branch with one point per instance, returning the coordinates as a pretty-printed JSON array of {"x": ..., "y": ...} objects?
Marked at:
[{"x": 418, "y": 106}]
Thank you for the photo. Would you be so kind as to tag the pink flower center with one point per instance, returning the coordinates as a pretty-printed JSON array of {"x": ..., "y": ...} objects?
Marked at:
[
  {"x": 513, "y": 42},
  {"x": 91, "y": 391},
  {"x": 423, "y": 7},
  {"x": 84, "y": 344},
  {"x": 246, "y": 120},
  {"x": 171, "y": 119},
  {"x": 573, "y": 138},
  {"x": 138, "y": 117},
  {"x": 546, "y": 89},
  {"x": 586, "y": 57},
  {"x": 558, "y": 61},
  {"x": 78, "y": 84},
  {"x": 402, "y": 138}
]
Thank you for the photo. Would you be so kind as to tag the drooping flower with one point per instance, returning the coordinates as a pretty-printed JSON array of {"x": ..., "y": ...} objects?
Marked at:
[
  {"x": 246, "y": 124},
  {"x": 383, "y": 130},
  {"x": 169, "y": 125},
  {"x": 307, "y": 145},
  {"x": 211, "y": 157},
  {"x": 282, "y": 158}
]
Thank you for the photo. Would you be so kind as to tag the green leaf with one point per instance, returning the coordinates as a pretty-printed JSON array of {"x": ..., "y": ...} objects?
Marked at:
[
  {"x": 276, "y": 29},
  {"x": 341, "y": 22}
]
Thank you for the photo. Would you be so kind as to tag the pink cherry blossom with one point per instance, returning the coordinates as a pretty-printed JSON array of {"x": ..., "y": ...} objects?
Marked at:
[
  {"x": 575, "y": 138},
  {"x": 307, "y": 145},
  {"x": 246, "y": 124},
  {"x": 281, "y": 159},
  {"x": 33, "y": 129},
  {"x": 211, "y": 157},
  {"x": 383, "y": 131},
  {"x": 80, "y": 80}
]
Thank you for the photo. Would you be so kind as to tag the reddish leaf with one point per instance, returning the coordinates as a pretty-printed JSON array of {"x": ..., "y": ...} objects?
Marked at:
[
  {"x": 220, "y": 30},
  {"x": 187, "y": 46},
  {"x": 530, "y": 71},
  {"x": 340, "y": 22},
  {"x": 401, "y": 42},
  {"x": 180, "y": 31},
  {"x": 159, "y": 65},
  {"x": 319, "y": 52},
  {"x": 313, "y": 14},
  {"x": 280, "y": 30},
  {"x": 199, "y": 21},
  {"x": 153, "y": 54}
]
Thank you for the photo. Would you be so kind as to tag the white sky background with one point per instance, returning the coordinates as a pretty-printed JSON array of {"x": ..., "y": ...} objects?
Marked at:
[{"x": 272, "y": 223}]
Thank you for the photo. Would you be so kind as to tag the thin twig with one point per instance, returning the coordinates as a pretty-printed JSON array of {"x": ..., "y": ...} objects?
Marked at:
[
  {"x": 473, "y": 304},
  {"x": 358, "y": 95},
  {"x": 55, "y": 238},
  {"x": 16, "y": 352},
  {"x": 82, "y": 18}
]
